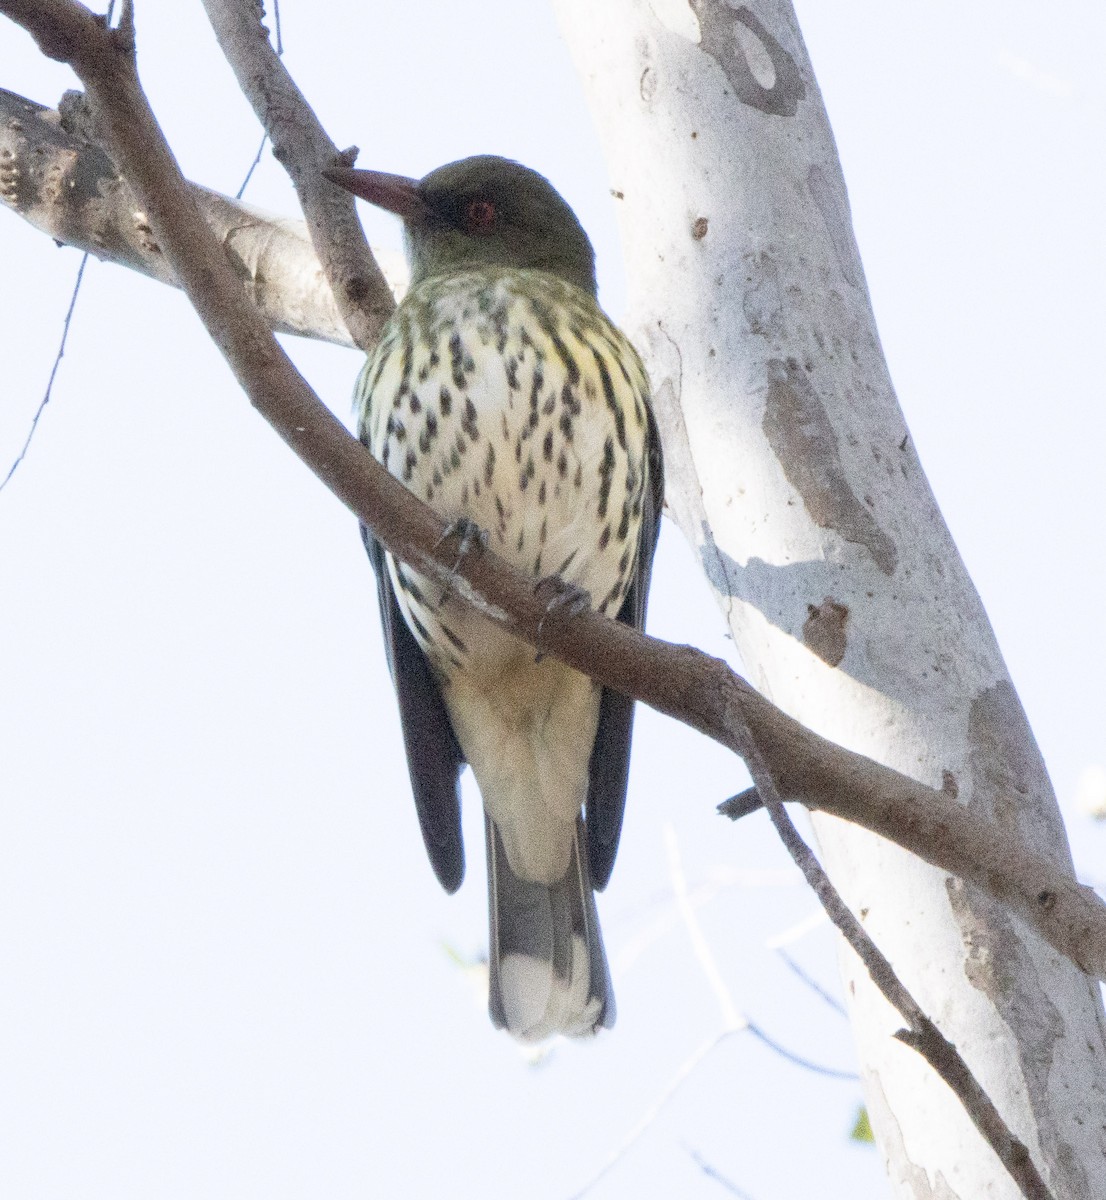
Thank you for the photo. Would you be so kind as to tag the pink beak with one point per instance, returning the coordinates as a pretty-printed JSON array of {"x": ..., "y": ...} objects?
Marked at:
[{"x": 396, "y": 193}]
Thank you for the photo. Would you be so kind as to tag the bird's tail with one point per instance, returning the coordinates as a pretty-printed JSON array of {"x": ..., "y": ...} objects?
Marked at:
[{"x": 547, "y": 969}]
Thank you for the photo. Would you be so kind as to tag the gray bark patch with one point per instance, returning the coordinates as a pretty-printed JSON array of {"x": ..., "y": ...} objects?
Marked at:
[
  {"x": 722, "y": 571},
  {"x": 805, "y": 442},
  {"x": 684, "y": 491},
  {"x": 912, "y": 1177},
  {"x": 718, "y": 23},
  {"x": 1010, "y": 785},
  {"x": 1009, "y": 781},
  {"x": 761, "y": 301},
  {"x": 835, "y": 214},
  {"x": 824, "y": 630},
  {"x": 997, "y": 963}
]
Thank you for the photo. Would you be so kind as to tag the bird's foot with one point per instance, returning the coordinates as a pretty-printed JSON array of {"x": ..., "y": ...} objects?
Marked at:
[
  {"x": 469, "y": 537},
  {"x": 560, "y": 597}
]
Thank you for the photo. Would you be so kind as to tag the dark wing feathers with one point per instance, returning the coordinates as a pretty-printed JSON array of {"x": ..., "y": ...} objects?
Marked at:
[
  {"x": 434, "y": 758},
  {"x": 609, "y": 768}
]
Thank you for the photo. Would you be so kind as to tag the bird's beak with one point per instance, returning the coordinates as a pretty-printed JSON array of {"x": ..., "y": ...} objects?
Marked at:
[{"x": 396, "y": 193}]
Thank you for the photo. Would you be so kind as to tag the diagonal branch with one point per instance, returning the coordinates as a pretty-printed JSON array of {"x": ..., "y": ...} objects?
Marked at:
[
  {"x": 65, "y": 327},
  {"x": 69, "y": 188},
  {"x": 921, "y": 1034},
  {"x": 304, "y": 149},
  {"x": 677, "y": 680}
]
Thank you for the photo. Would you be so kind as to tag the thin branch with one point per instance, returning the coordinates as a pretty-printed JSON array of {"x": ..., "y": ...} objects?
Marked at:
[
  {"x": 683, "y": 1073},
  {"x": 265, "y": 136},
  {"x": 301, "y": 145},
  {"x": 276, "y": 27},
  {"x": 676, "y": 680},
  {"x": 813, "y": 984},
  {"x": 797, "y": 1060},
  {"x": 732, "y": 1018},
  {"x": 798, "y": 930},
  {"x": 253, "y": 167},
  {"x": 105, "y": 60},
  {"x": 53, "y": 374},
  {"x": 921, "y": 1034},
  {"x": 713, "y": 1173},
  {"x": 67, "y": 187}
]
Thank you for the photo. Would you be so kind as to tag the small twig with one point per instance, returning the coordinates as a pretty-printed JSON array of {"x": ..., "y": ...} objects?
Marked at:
[
  {"x": 701, "y": 691},
  {"x": 741, "y": 805},
  {"x": 921, "y": 1034},
  {"x": 800, "y": 929},
  {"x": 53, "y": 373},
  {"x": 302, "y": 147},
  {"x": 797, "y": 1059},
  {"x": 683, "y": 1073},
  {"x": 253, "y": 166},
  {"x": 265, "y": 136},
  {"x": 673, "y": 679},
  {"x": 276, "y": 29},
  {"x": 713, "y": 1173},
  {"x": 733, "y": 1019},
  {"x": 813, "y": 984},
  {"x": 654, "y": 1110}
]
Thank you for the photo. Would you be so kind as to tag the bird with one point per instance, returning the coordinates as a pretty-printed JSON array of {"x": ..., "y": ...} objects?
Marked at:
[{"x": 502, "y": 395}]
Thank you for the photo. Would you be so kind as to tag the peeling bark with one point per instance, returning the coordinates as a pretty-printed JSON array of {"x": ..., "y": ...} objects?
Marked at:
[
  {"x": 69, "y": 188},
  {"x": 1047, "y": 1020},
  {"x": 824, "y": 630},
  {"x": 803, "y": 439},
  {"x": 793, "y": 476}
]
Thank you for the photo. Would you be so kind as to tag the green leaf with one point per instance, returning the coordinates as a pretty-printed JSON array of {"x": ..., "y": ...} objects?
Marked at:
[{"x": 862, "y": 1129}]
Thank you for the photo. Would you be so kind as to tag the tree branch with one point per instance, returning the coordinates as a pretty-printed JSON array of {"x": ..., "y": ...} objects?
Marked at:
[
  {"x": 679, "y": 681},
  {"x": 922, "y": 1035},
  {"x": 674, "y": 679},
  {"x": 302, "y": 146},
  {"x": 68, "y": 187}
]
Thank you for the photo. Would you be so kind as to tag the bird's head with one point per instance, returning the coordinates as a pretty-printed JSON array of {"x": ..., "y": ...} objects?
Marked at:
[{"x": 482, "y": 211}]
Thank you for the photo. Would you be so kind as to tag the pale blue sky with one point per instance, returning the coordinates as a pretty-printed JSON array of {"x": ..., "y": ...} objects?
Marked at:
[{"x": 221, "y": 948}]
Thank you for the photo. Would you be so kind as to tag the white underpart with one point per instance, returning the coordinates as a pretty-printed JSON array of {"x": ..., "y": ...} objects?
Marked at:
[
  {"x": 539, "y": 1004},
  {"x": 526, "y": 727}
]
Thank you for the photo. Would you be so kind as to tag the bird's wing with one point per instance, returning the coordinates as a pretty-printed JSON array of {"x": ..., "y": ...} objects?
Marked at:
[
  {"x": 434, "y": 758},
  {"x": 609, "y": 767}
]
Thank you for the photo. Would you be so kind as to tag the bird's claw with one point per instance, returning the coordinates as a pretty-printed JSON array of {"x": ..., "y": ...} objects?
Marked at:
[
  {"x": 559, "y": 596},
  {"x": 469, "y": 537}
]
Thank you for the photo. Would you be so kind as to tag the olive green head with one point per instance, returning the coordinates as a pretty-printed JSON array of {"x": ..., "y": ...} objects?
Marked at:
[{"x": 482, "y": 211}]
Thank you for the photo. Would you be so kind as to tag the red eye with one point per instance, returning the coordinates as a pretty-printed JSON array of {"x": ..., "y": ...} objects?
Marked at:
[{"x": 480, "y": 214}]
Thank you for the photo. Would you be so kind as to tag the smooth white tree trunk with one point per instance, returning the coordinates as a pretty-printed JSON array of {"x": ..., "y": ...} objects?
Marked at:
[{"x": 792, "y": 473}]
